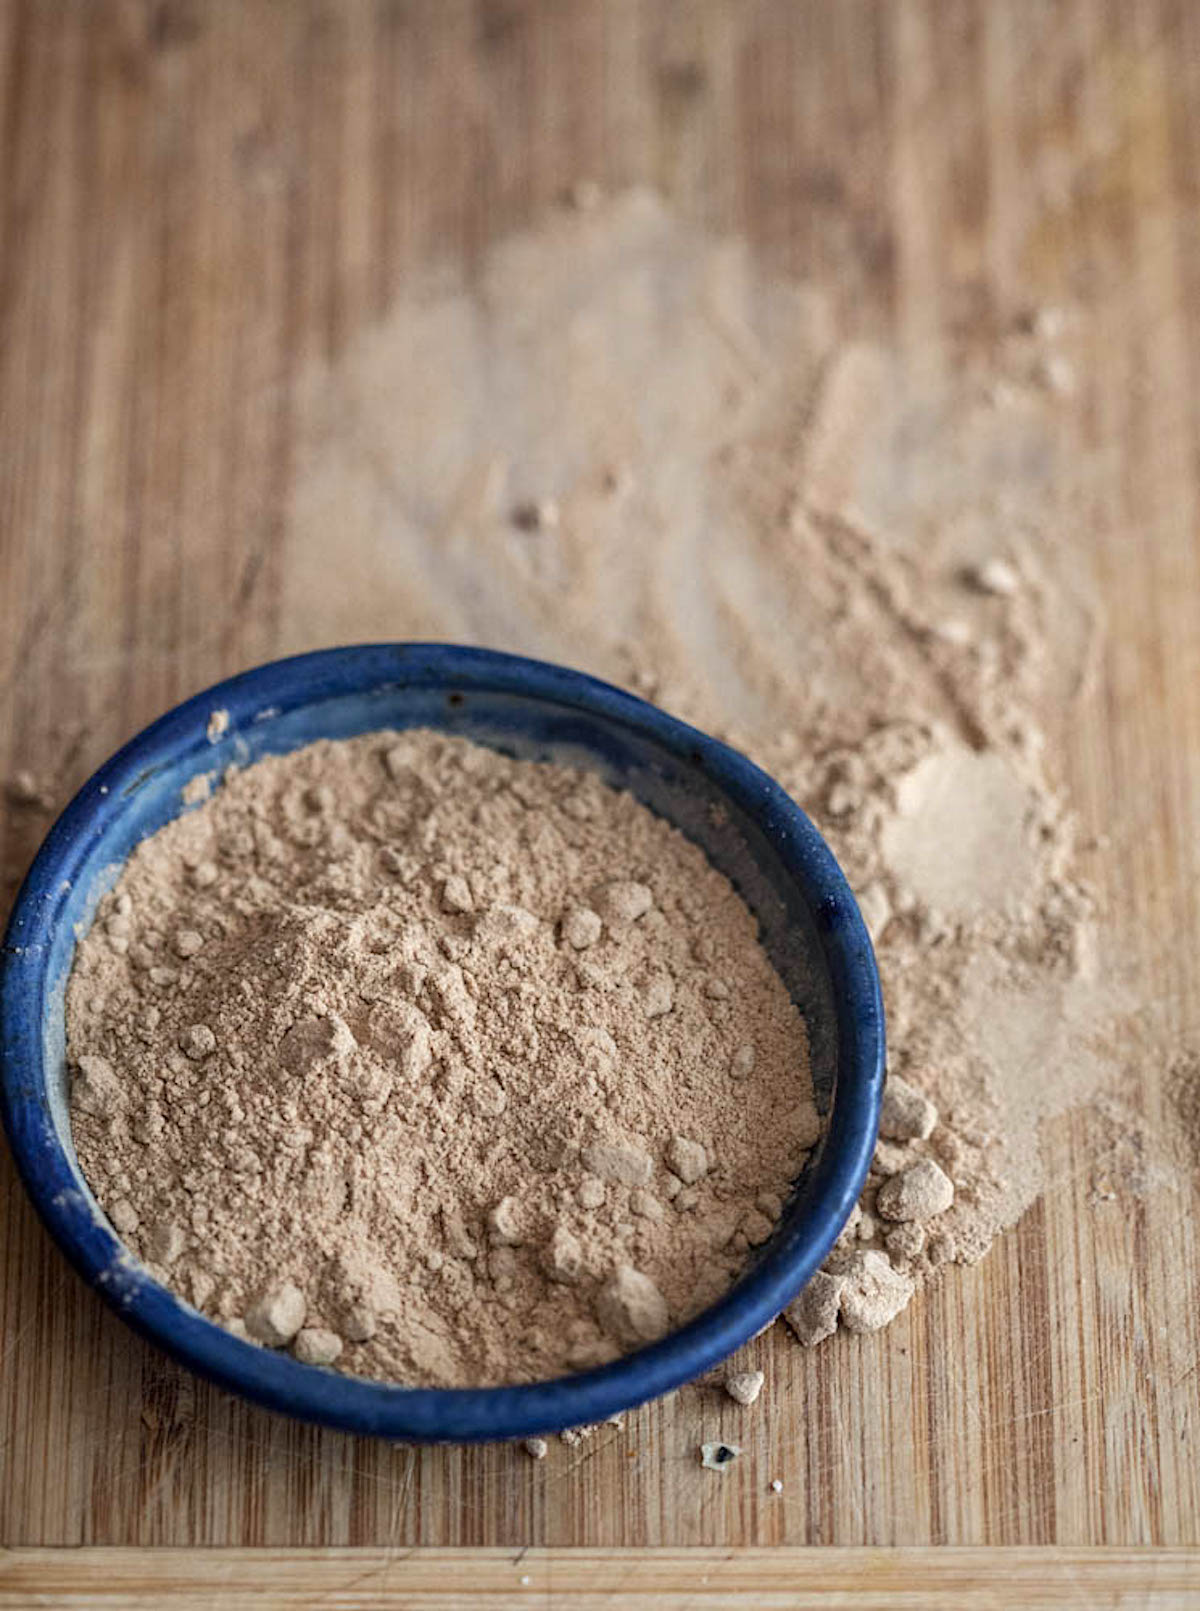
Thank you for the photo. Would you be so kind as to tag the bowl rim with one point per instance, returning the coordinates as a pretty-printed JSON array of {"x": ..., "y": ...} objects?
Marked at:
[{"x": 358, "y": 1404}]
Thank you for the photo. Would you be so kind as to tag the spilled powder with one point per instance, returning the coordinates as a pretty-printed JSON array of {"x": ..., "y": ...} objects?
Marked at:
[
  {"x": 434, "y": 1065},
  {"x": 845, "y": 562}
]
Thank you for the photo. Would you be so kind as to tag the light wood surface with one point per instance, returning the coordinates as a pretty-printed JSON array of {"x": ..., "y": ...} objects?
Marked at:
[
  {"x": 195, "y": 197},
  {"x": 617, "y": 1580}
]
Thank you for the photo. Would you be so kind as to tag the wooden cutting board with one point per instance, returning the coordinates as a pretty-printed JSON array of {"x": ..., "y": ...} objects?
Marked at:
[{"x": 197, "y": 195}]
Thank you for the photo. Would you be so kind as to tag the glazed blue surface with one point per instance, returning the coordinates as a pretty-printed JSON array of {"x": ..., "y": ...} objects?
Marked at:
[{"x": 745, "y": 822}]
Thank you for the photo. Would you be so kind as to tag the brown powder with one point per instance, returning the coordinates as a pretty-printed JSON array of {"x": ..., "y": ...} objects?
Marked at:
[
  {"x": 438, "y": 1065},
  {"x": 856, "y": 565},
  {"x": 865, "y": 569}
]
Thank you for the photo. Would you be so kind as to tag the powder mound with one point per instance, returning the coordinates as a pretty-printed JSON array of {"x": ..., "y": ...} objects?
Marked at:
[
  {"x": 416, "y": 1060},
  {"x": 846, "y": 560}
]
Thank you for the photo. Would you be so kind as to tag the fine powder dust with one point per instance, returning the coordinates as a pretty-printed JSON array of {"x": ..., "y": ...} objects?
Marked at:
[
  {"x": 626, "y": 445},
  {"x": 434, "y": 1065}
]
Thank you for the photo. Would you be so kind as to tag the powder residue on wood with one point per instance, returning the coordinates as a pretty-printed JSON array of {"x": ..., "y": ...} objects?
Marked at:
[
  {"x": 433, "y": 1064},
  {"x": 845, "y": 560}
]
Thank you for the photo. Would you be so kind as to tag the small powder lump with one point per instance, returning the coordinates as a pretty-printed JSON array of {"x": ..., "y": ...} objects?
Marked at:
[
  {"x": 434, "y": 1066},
  {"x": 744, "y": 1386}
]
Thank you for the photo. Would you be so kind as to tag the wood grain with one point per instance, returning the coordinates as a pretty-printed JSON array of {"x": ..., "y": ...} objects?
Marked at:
[
  {"x": 194, "y": 198},
  {"x": 664, "y": 1580}
]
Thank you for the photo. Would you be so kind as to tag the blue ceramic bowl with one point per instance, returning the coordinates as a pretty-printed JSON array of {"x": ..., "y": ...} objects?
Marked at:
[{"x": 747, "y": 825}]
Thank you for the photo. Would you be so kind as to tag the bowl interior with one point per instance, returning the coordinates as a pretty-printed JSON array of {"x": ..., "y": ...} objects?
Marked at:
[
  {"x": 523, "y": 725},
  {"x": 743, "y": 822}
]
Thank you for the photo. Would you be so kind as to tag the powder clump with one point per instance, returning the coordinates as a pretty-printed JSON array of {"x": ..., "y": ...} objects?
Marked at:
[
  {"x": 874, "y": 1292},
  {"x": 919, "y": 1192},
  {"x": 744, "y": 1386},
  {"x": 906, "y": 1115},
  {"x": 403, "y": 1055},
  {"x": 813, "y": 1316}
]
